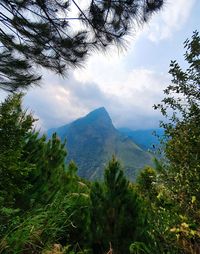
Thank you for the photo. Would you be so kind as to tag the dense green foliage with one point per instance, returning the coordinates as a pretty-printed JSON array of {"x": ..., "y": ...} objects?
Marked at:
[
  {"x": 172, "y": 189},
  {"x": 178, "y": 177},
  {"x": 36, "y": 186},
  {"x": 45, "y": 203},
  {"x": 27, "y": 162},
  {"x": 116, "y": 212},
  {"x": 57, "y": 34},
  {"x": 14, "y": 169}
]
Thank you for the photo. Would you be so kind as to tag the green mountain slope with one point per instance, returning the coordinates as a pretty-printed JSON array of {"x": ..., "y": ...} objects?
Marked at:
[
  {"x": 146, "y": 139},
  {"x": 91, "y": 142}
]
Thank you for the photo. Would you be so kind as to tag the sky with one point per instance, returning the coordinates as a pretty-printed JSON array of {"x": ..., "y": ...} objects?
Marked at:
[{"x": 127, "y": 83}]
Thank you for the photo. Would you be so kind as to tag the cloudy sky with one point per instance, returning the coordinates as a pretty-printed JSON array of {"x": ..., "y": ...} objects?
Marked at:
[{"x": 126, "y": 83}]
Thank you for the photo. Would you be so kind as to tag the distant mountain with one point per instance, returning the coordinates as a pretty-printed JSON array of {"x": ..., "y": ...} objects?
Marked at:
[
  {"x": 146, "y": 139},
  {"x": 91, "y": 142}
]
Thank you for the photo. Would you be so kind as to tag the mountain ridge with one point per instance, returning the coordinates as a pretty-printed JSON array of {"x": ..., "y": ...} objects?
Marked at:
[
  {"x": 147, "y": 139},
  {"x": 92, "y": 140}
]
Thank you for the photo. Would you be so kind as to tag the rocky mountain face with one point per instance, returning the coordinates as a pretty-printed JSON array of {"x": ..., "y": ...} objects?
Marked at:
[{"x": 93, "y": 140}]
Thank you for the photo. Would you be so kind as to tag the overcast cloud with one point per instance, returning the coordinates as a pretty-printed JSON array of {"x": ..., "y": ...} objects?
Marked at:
[
  {"x": 173, "y": 17},
  {"x": 129, "y": 99}
]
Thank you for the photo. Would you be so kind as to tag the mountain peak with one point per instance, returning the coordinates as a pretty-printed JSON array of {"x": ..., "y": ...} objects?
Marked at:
[
  {"x": 99, "y": 112},
  {"x": 100, "y": 116},
  {"x": 97, "y": 119},
  {"x": 101, "y": 109}
]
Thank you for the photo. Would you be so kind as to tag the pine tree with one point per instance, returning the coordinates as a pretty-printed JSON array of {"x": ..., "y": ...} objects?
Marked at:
[
  {"x": 39, "y": 33},
  {"x": 48, "y": 158},
  {"x": 32, "y": 170},
  {"x": 115, "y": 212},
  {"x": 14, "y": 126}
]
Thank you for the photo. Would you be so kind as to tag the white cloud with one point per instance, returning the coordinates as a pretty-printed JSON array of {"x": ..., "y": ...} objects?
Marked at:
[
  {"x": 173, "y": 17},
  {"x": 127, "y": 95},
  {"x": 3, "y": 95}
]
